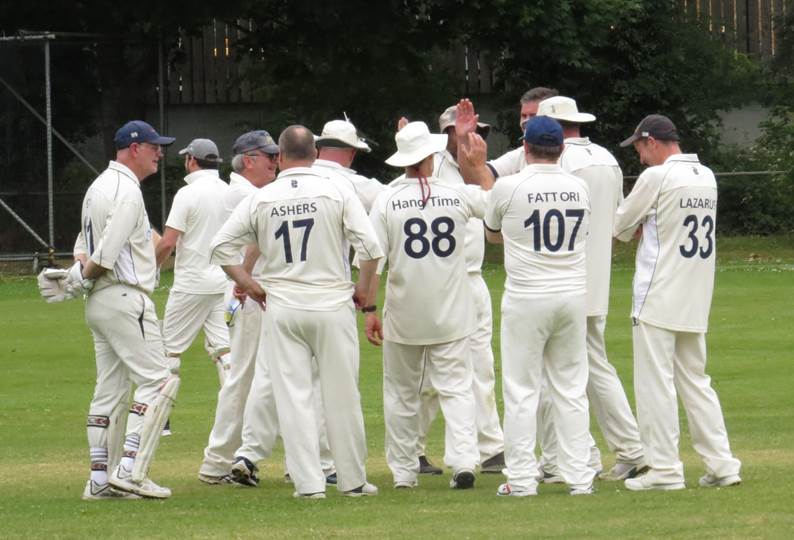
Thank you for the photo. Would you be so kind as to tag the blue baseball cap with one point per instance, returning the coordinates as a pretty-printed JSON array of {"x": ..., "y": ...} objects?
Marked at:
[
  {"x": 543, "y": 131},
  {"x": 138, "y": 131}
]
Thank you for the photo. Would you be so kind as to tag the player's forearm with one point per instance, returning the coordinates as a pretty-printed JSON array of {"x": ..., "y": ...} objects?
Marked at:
[
  {"x": 252, "y": 253},
  {"x": 240, "y": 276},
  {"x": 493, "y": 237},
  {"x": 92, "y": 270},
  {"x": 366, "y": 277}
]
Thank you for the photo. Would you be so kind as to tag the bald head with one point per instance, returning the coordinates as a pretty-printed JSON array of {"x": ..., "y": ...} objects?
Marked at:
[{"x": 296, "y": 143}]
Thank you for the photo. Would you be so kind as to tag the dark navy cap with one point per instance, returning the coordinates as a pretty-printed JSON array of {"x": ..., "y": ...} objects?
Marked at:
[
  {"x": 255, "y": 140},
  {"x": 543, "y": 131},
  {"x": 138, "y": 131}
]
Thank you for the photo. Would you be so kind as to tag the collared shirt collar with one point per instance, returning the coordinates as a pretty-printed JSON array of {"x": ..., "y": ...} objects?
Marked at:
[
  {"x": 583, "y": 141},
  {"x": 448, "y": 157},
  {"x": 116, "y": 166},
  {"x": 236, "y": 178},
  {"x": 332, "y": 165},
  {"x": 201, "y": 173},
  {"x": 543, "y": 167},
  {"x": 296, "y": 170},
  {"x": 683, "y": 157}
]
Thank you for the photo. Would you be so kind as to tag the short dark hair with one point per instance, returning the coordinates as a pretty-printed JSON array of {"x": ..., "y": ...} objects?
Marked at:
[
  {"x": 539, "y": 93},
  {"x": 206, "y": 164},
  {"x": 297, "y": 143},
  {"x": 548, "y": 153}
]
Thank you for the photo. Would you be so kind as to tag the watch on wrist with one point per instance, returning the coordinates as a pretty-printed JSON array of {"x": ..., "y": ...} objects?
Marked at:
[{"x": 369, "y": 309}]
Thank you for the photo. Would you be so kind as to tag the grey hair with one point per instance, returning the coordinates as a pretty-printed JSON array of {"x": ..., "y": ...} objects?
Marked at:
[
  {"x": 237, "y": 163},
  {"x": 539, "y": 93}
]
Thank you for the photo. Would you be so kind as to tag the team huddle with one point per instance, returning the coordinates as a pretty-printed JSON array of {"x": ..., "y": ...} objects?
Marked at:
[{"x": 263, "y": 267}]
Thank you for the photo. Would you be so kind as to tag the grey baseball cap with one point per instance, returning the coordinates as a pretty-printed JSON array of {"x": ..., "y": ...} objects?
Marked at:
[
  {"x": 202, "y": 149},
  {"x": 657, "y": 126},
  {"x": 255, "y": 140}
]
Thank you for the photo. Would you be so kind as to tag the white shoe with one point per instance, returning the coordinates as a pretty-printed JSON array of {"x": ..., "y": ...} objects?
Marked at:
[
  {"x": 709, "y": 480},
  {"x": 648, "y": 482},
  {"x": 589, "y": 490},
  {"x": 506, "y": 490},
  {"x": 365, "y": 490},
  {"x": 318, "y": 495},
  {"x": 622, "y": 471},
  {"x": 103, "y": 492},
  {"x": 551, "y": 478},
  {"x": 462, "y": 479},
  {"x": 405, "y": 484},
  {"x": 122, "y": 479}
]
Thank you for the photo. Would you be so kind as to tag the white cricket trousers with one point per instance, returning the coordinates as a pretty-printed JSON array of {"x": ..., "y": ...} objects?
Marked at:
[
  {"x": 609, "y": 402},
  {"x": 490, "y": 439},
  {"x": 186, "y": 314},
  {"x": 245, "y": 388},
  {"x": 669, "y": 363},
  {"x": 537, "y": 334},
  {"x": 128, "y": 348},
  {"x": 448, "y": 368},
  {"x": 292, "y": 338}
]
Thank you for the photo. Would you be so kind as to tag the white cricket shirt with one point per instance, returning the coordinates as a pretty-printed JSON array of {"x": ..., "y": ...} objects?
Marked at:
[
  {"x": 509, "y": 163},
  {"x": 239, "y": 189},
  {"x": 428, "y": 292},
  {"x": 198, "y": 212},
  {"x": 447, "y": 170},
  {"x": 366, "y": 189},
  {"x": 116, "y": 230},
  {"x": 676, "y": 204},
  {"x": 543, "y": 214},
  {"x": 601, "y": 172},
  {"x": 299, "y": 222}
]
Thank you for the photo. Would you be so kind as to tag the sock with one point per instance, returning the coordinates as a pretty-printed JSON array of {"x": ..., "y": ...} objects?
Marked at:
[
  {"x": 131, "y": 444},
  {"x": 99, "y": 465}
]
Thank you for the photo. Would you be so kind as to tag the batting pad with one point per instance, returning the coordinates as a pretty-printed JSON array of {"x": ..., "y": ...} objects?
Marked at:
[{"x": 153, "y": 421}]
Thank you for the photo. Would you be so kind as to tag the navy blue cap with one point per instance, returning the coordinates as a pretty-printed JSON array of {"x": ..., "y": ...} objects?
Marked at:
[
  {"x": 543, "y": 131},
  {"x": 138, "y": 131},
  {"x": 255, "y": 140}
]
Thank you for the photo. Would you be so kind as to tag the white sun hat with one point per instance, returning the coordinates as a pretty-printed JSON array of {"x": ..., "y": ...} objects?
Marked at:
[
  {"x": 563, "y": 108},
  {"x": 341, "y": 133},
  {"x": 415, "y": 143}
]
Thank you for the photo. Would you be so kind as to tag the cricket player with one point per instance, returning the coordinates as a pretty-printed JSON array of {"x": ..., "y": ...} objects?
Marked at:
[
  {"x": 542, "y": 216},
  {"x": 299, "y": 223},
  {"x": 254, "y": 162},
  {"x": 429, "y": 311},
  {"x": 337, "y": 147},
  {"x": 512, "y": 161},
  {"x": 674, "y": 203},
  {"x": 490, "y": 440},
  {"x": 118, "y": 277},
  {"x": 195, "y": 301},
  {"x": 601, "y": 172}
]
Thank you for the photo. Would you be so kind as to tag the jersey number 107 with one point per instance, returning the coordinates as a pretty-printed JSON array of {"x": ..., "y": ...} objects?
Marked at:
[{"x": 544, "y": 239}]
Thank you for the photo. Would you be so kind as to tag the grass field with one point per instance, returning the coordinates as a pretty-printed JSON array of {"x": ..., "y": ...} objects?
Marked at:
[{"x": 47, "y": 380}]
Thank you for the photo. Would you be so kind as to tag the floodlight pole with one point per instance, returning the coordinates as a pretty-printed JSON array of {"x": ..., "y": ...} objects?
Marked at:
[{"x": 48, "y": 97}]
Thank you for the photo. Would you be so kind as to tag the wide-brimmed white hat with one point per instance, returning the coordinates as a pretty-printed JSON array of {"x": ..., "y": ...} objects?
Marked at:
[
  {"x": 415, "y": 143},
  {"x": 341, "y": 133},
  {"x": 563, "y": 108}
]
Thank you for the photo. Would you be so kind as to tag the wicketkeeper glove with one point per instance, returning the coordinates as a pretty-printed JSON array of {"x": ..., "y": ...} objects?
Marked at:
[{"x": 57, "y": 285}]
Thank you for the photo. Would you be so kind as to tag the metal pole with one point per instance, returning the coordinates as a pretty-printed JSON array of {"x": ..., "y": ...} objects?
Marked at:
[
  {"x": 160, "y": 100},
  {"x": 48, "y": 97}
]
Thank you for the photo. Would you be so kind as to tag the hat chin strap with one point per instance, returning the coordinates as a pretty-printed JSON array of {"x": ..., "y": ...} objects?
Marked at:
[{"x": 424, "y": 185}]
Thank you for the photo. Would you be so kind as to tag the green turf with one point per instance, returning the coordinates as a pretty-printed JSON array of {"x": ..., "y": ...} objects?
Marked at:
[{"x": 47, "y": 381}]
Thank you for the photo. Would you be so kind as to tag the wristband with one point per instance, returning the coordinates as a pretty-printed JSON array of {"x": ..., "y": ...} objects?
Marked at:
[{"x": 369, "y": 309}]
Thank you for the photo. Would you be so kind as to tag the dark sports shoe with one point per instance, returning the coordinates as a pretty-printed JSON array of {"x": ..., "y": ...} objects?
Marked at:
[
  {"x": 331, "y": 479},
  {"x": 494, "y": 464},
  {"x": 166, "y": 428},
  {"x": 244, "y": 472},
  {"x": 463, "y": 479},
  {"x": 425, "y": 467}
]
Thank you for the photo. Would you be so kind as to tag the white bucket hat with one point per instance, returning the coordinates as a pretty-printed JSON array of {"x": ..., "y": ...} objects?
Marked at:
[
  {"x": 563, "y": 108},
  {"x": 415, "y": 143},
  {"x": 341, "y": 133}
]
